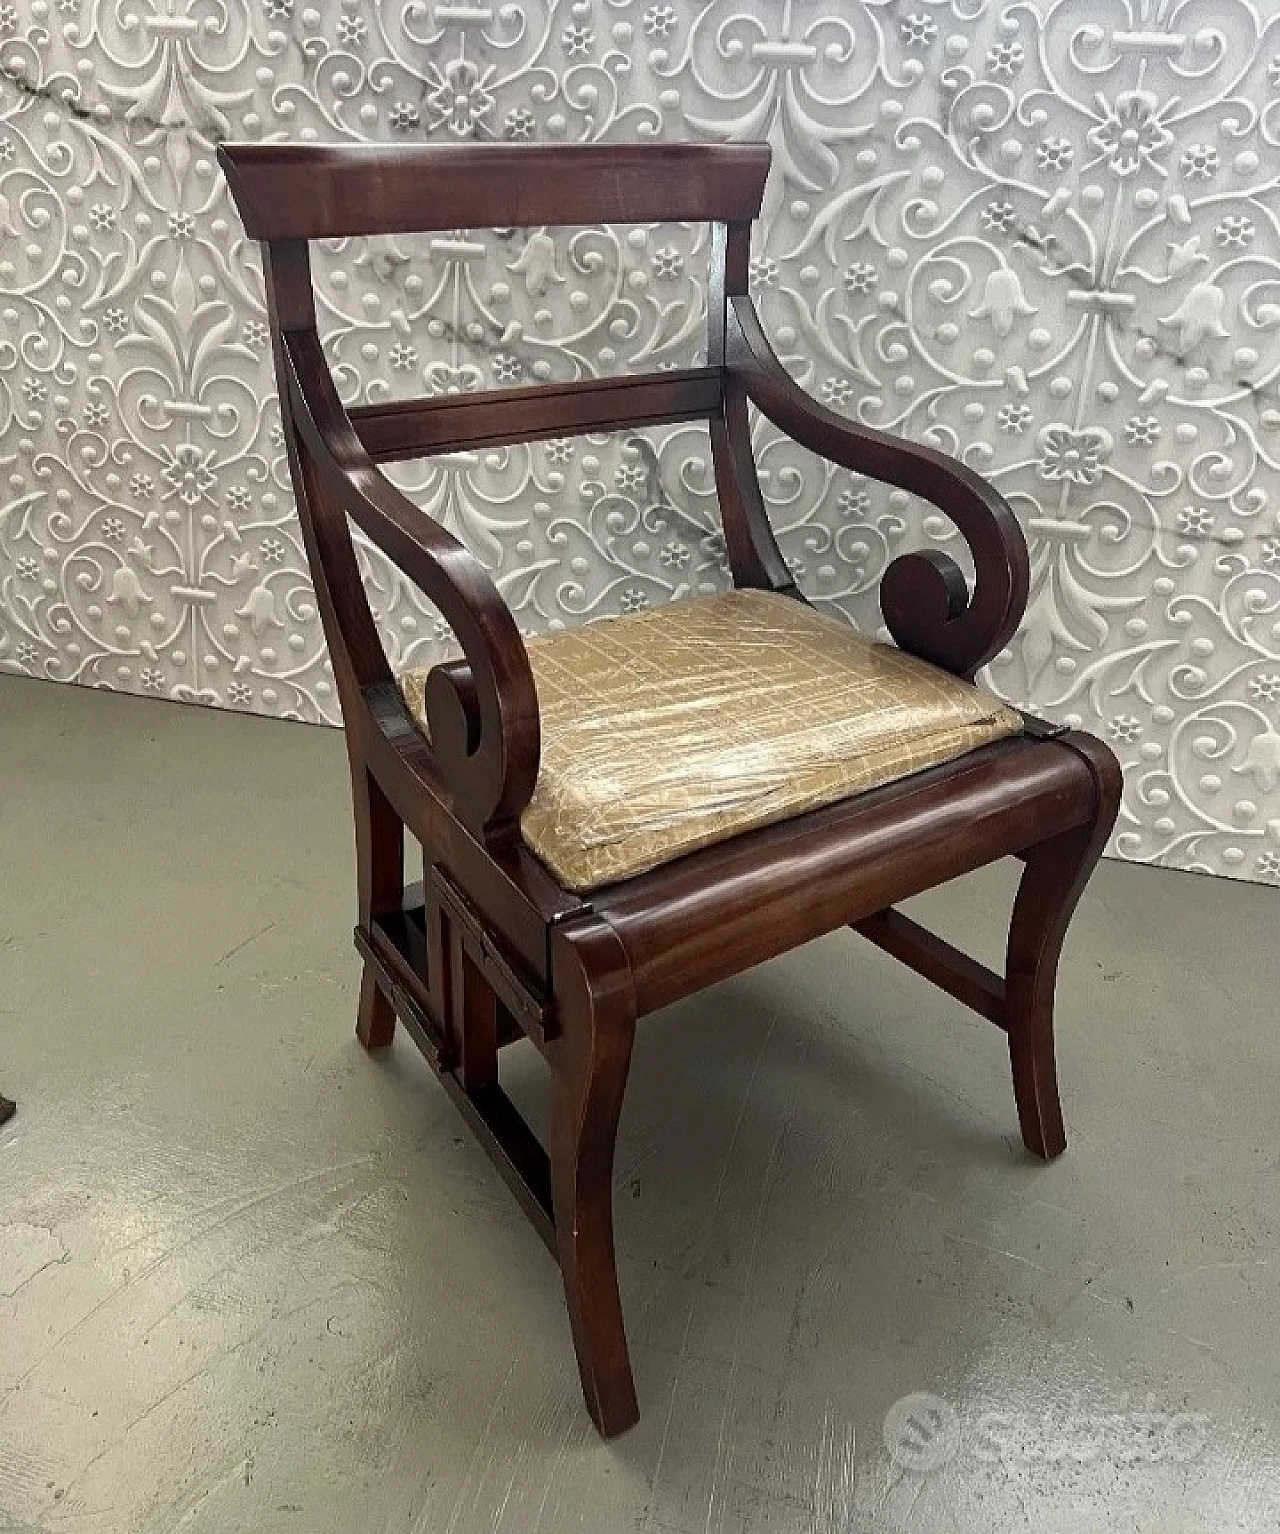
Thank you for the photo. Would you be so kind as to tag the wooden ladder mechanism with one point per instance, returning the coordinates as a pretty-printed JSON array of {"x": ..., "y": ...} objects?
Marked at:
[{"x": 461, "y": 1000}]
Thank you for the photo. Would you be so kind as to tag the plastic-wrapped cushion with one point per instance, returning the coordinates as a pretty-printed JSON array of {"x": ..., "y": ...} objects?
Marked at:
[{"x": 668, "y": 730}]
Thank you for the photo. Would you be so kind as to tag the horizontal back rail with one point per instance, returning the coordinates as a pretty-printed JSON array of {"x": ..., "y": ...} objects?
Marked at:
[
  {"x": 418, "y": 428},
  {"x": 327, "y": 191}
]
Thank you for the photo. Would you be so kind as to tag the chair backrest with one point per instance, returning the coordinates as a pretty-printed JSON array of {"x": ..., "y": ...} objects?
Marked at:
[
  {"x": 484, "y": 722},
  {"x": 290, "y": 193},
  {"x": 483, "y": 715}
]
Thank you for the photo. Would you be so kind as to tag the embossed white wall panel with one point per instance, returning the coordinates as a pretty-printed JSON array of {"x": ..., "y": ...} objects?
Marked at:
[{"x": 1042, "y": 234}]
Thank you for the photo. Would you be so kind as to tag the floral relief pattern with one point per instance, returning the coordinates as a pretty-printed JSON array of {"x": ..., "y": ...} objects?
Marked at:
[{"x": 1040, "y": 236}]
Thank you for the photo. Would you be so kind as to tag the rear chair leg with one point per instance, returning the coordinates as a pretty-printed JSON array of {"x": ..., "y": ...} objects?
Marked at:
[
  {"x": 375, "y": 1018},
  {"x": 590, "y": 1057},
  {"x": 380, "y": 889},
  {"x": 1052, "y": 883}
]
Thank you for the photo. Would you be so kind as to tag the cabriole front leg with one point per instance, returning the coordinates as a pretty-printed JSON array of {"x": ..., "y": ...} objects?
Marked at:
[
  {"x": 595, "y": 1006},
  {"x": 1054, "y": 879}
]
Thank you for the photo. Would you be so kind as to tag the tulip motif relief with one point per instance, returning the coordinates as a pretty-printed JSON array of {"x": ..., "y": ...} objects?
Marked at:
[{"x": 1044, "y": 241}]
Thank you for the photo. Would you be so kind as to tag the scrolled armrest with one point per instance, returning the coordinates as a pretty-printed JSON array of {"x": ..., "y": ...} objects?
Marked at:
[
  {"x": 483, "y": 717},
  {"x": 924, "y": 596}
]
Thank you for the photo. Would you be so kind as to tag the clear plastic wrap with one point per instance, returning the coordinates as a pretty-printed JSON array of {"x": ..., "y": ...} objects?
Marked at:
[{"x": 668, "y": 730}]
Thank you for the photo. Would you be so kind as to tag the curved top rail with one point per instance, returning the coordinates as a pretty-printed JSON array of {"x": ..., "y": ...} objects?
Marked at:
[{"x": 324, "y": 191}]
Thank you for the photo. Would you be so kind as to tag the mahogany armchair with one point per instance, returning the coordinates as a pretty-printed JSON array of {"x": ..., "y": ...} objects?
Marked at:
[{"x": 494, "y": 945}]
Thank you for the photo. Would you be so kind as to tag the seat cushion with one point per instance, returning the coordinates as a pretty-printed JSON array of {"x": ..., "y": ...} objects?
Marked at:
[{"x": 668, "y": 730}]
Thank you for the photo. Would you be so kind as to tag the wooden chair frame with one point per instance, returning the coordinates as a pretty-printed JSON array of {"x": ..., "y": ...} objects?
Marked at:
[{"x": 490, "y": 948}]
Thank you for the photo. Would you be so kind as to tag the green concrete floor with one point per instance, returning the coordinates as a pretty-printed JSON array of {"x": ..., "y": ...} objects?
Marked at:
[{"x": 252, "y": 1280}]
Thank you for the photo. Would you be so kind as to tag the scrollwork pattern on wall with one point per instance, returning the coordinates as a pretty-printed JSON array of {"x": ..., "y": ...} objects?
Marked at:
[{"x": 1040, "y": 235}]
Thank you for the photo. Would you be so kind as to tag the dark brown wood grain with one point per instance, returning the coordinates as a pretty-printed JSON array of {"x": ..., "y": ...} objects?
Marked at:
[
  {"x": 415, "y": 428},
  {"x": 956, "y": 972},
  {"x": 490, "y": 946},
  {"x": 322, "y": 191},
  {"x": 719, "y": 911}
]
